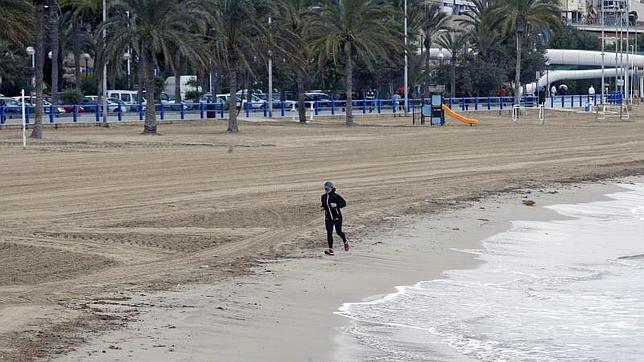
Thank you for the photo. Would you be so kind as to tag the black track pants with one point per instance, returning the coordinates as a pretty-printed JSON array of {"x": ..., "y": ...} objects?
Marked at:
[{"x": 338, "y": 229}]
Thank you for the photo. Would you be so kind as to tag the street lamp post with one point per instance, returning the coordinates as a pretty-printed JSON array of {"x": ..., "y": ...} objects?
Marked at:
[
  {"x": 210, "y": 77},
  {"x": 547, "y": 77},
  {"x": 32, "y": 53},
  {"x": 603, "y": 54},
  {"x": 270, "y": 77},
  {"x": 406, "y": 65},
  {"x": 128, "y": 58},
  {"x": 86, "y": 57},
  {"x": 104, "y": 88},
  {"x": 632, "y": 75}
]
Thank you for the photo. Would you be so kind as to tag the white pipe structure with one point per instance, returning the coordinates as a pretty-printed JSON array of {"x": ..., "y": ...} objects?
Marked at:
[
  {"x": 557, "y": 75},
  {"x": 566, "y": 57},
  {"x": 573, "y": 57},
  {"x": 587, "y": 57}
]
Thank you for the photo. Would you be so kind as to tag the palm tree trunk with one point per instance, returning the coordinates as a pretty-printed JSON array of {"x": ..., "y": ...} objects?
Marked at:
[
  {"x": 301, "y": 107},
  {"x": 247, "y": 90},
  {"x": 349, "y": 84},
  {"x": 428, "y": 44},
  {"x": 452, "y": 76},
  {"x": 517, "y": 71},
  {"x": 76, "y": 31},
  {"x": 177, "y": 79},
  {"x": 233, "y": 127},
  {"x": 54, "y": 41},
  {"x": 150, "y": 124},
  {"x": 216, "y": 84},
  {"x": 140, "y": 84},
  {"x": 40, "y": 64}
]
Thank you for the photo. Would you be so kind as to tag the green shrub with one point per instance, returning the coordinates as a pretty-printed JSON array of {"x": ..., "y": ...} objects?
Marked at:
[
  {"x": 193, "y": 95},
  {"x": 89, "y": 86},
  {"x": 72, "y": 96}
]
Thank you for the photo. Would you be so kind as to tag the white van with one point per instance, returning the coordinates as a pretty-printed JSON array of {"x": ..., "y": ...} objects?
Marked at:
[
  {"x": 168, "y": 87},
  {"x": 128, "y": 97}
]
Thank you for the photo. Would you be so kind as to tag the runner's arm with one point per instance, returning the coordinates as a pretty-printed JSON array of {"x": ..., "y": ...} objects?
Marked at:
[{"x": 340, "y": 201}]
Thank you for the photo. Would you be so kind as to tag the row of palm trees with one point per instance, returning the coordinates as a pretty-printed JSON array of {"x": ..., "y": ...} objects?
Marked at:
[{"x": 234, "y": 34}]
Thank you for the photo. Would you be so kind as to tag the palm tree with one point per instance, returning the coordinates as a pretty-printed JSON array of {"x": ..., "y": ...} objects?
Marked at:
[
  {"x": 155, "y": 28},
  {"x": 482, "y": 24},
  {"x": 16, "y": 21},
  {"x": 518, "y": 15},
  {"x": 237, "y": 30},
  {"x": 75, "y": 37},
  {"x": 176, "y": 69},
  {"x": 81, "y": 11},
  {"x": 54, "y": 43},
  {"x": 349, "y": 30},
  {"x": 182, "y": 60},
  {"x": 39, "y": 6},
  {"x": 456, "y": 43},
  {"x": 291, "y": 31},
  {"x": 430, "y": 19}
]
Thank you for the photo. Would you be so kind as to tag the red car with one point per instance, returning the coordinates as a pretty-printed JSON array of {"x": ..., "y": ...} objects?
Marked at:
[{"x": 70, "y": 109}]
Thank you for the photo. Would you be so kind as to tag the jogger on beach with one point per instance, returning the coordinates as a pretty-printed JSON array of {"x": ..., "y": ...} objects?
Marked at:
[{"x": 331, "y": 204}]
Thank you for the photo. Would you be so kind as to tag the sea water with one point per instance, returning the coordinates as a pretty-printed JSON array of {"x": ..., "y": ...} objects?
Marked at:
[{"x": 570, "y": 289}]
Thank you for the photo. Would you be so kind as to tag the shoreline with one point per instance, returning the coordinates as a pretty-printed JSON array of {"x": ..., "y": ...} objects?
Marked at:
[{"x": 288, "y": 308}]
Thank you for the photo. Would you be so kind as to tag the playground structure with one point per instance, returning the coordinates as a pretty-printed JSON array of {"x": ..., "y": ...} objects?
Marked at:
[
  {"x": 467, "y": 120},
  {"x": 435, "y": 111}
]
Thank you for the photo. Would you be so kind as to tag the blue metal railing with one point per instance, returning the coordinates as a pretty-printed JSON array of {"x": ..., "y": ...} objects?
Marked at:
[{"x": 203, "y": 110}]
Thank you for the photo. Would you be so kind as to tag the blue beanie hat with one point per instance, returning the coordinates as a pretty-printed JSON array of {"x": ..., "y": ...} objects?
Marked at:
[{"x": 329, "y": 185}]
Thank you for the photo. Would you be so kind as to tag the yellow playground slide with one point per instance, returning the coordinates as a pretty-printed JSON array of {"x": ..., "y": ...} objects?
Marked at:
[{"x": 458, "y": 117}]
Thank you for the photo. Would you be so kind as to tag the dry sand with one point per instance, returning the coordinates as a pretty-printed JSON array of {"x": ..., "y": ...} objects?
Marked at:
[{"x": 92, "y": 217}]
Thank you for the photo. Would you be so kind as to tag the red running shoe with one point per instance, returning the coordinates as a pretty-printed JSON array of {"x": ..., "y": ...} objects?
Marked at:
[
  {"x": 329, "y": 252},
  {"x": 347, "y": 247}
]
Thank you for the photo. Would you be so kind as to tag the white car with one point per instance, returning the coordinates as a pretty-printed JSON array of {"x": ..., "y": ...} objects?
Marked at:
[
  {"x": 256, "y": 102},
  {"x": 112, "y": 106},
  {"x": 31, "y": 102}
]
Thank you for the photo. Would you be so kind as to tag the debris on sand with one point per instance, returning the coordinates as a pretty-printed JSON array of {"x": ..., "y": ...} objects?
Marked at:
[{"x": 528, "y": 202}]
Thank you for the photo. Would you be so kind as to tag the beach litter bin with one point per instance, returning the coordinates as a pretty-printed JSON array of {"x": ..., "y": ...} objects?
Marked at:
[
  {"x": 587, "y": 108},
  {"x": 211, "y": 108}
]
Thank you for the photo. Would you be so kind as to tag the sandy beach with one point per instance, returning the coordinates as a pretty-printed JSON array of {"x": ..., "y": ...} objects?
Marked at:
[
  {"x": 286, "y": 309},
  {"x": 159, "y": 239}
]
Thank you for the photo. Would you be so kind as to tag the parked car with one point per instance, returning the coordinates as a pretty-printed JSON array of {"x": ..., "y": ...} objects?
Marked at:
[
  {"x": 219, "y": 101},
  {"x": 117, "y": 102},
  {"x": 316, "y": 96},
  {"x": 31, "y": 104},
  {"x": 90, "y": 104},
  {"x": 128, "y": 97},
  {"x": 170, "y": 103},
  {"x": 70, "y": 109},
  {"x": 255, "y": 102},
  {"x": 10, "y": 105}
]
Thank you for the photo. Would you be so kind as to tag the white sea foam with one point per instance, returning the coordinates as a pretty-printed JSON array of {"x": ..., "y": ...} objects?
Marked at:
[{"x": 560, "y": 290}]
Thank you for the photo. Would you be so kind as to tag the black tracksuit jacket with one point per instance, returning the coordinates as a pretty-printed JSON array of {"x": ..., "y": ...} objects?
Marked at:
[{"x": 332, "y": 213}]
